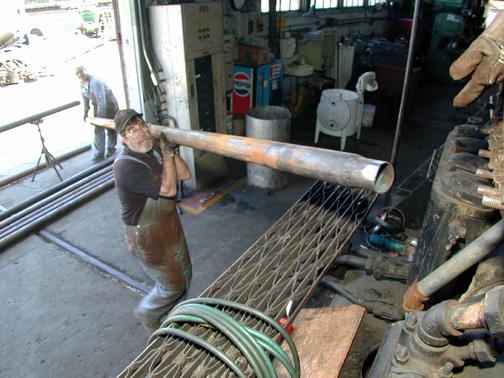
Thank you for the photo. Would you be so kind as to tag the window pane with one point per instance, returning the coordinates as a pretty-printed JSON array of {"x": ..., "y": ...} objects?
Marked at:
[
  {"x": 282, "y": 5},
  {"x": 264, "y": 6},
  {"x": 295, "y": 5},
  {"x": 353, "y": 3},
  {"x": 326, "y": 4}
]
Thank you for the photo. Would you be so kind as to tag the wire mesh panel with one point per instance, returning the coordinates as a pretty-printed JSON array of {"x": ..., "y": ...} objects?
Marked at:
[{"x": 276, "y": 276}]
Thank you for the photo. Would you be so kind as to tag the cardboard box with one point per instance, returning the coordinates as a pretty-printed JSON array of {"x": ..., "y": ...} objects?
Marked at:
[{"x": 253, "y": 55}]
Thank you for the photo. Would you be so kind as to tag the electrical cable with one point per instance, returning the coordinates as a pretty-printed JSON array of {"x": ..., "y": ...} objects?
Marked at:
[
  {"x": 389, "y": 223},
  {"x": 254, "y": 345}
]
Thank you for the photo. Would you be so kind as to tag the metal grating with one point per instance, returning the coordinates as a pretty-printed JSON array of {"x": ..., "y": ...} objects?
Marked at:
[{"x": 280, "y": 270}]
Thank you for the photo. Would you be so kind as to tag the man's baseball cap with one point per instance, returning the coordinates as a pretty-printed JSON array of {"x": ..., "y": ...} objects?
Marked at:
[{"x": 122, "y": 118}]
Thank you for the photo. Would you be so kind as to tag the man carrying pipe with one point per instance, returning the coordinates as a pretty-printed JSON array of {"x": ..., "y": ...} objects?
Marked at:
[{"x": 146, "y": 183}]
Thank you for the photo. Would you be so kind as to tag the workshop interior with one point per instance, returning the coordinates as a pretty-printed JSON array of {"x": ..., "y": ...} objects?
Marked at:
[{"x": 343, "y": 217}]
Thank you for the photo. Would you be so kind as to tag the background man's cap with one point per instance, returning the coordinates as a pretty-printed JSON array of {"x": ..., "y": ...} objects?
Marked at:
[
  {"x": 122, "y": 118},
  {"x": 80, "y": 68}
]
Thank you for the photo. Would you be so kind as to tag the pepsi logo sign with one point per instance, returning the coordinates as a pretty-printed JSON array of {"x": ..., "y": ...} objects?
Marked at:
[{"x": 242, "y": 84}]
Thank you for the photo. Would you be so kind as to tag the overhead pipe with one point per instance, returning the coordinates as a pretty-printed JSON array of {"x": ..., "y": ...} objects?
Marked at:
[
  {"x": 53, "y": 189},
  {"x": 60, "y": 202},
  {"x": 336, "y": 167},
  {"x": 37, "y": 205},
  {"x": 418, "y": 293},
  {"x": 55, "y": 213},
  {"x": 38, "y": 116}
]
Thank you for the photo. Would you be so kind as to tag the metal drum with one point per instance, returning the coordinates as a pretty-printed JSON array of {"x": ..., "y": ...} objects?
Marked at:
[{"x": 269, "y": 123}]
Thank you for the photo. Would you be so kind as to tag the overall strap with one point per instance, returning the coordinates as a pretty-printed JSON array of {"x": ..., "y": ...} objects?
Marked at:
[{"x": 129, "y": 157}]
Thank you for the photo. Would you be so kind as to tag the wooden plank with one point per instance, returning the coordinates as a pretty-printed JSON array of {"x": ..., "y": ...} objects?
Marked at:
[{"x": 323, "y": 337}]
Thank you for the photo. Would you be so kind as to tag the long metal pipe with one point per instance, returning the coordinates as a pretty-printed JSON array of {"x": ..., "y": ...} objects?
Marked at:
[
  {"x": 407, "y": 78},
  {"x": 53, "y": 189},
  {"x": 58, "y": 203},
  {"x": 419, "y": 292},
  {"x": 463, "y": 260},
  {"x": 336, "y": 167},
  {"x": 37, "y": 116},
  {"x": 55, "y": 213},
  {"x": 37, "y": 205},
  {"x": 43, "y": 165}
]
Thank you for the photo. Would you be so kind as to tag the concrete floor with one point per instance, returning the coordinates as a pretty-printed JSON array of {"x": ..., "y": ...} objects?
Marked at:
[{"x": 62, "y": 317}]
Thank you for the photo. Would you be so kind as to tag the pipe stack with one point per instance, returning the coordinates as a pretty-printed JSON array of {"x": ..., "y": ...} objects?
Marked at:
[{"x": 27, "y": 216}]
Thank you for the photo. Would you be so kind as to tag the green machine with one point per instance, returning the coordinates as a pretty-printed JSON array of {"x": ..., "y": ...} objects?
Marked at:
[
  {"x": 445, "y": 21},
  {"x": 444, "y": 48}
]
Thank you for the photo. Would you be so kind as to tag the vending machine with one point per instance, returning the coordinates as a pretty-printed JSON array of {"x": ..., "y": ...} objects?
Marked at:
[{"x": 256, "y": 85}]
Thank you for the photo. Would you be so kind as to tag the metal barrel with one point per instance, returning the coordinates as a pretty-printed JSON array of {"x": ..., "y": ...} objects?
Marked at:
[
  {"x": 336, "y": 167},
  {"x": 270, "y": 123}
]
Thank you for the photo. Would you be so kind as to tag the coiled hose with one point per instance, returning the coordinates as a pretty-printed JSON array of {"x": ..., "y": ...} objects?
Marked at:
[{"x": 254, "y": 345}]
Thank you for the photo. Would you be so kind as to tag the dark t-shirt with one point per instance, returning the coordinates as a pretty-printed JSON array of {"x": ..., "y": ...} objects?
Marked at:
[{"x": 135, "y": 181}]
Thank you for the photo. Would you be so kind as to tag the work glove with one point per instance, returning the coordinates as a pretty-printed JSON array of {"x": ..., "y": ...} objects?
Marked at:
[
  {"x": 485, "y": 59},
  {"x": 167, "y": 148}
]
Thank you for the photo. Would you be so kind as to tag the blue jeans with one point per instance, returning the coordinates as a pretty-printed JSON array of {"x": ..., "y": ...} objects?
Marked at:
[{"x": 99, "y": 140}]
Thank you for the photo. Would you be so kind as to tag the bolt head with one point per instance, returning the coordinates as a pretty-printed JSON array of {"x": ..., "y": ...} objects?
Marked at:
[
  {"x": 494, "y": 311},
  {"x": 401, "y": 354},
  {"x": 411, "y": 322}
]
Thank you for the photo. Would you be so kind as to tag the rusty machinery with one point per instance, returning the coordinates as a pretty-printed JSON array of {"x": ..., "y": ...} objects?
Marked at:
[{"x": 458, "y": 256}]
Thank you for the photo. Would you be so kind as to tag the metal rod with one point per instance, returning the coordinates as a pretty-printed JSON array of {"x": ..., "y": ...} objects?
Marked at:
[
  {"x": 463, "y": 260},
  {"x": 37, "y": 205},
  {"x": 59, "y": 202},
  {"x": 336, "y": 167},
  {"x": 100, "y": 265},
  {"x": 30, "y": 201},
  {"x": 407, "y": 77},
  {"x": 29, "y": 171},
  {"x": 37, "y": 116},
  {"x": 55, "y": 213}
]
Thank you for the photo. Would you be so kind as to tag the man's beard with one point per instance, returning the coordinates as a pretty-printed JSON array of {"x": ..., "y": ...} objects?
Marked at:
[{"x": 142, "y": 147}]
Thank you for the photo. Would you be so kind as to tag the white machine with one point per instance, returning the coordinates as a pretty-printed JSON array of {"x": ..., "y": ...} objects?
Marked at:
[
  {"x": 340, "y": 111},
  {"x": 188, "y": 40}
]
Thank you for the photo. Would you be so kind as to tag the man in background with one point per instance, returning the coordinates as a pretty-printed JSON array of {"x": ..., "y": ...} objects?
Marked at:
[{"x": 104, "y": 106}]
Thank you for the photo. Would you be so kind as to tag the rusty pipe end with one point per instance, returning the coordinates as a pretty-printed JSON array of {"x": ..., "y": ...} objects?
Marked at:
[
  {"x": 384, "y": 178},
  {"x": 414, "y": 299}
]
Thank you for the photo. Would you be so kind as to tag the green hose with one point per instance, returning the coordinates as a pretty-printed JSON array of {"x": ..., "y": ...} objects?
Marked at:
[
  {"x": 256, "y": 313},
  {"x": 202, "y": 343},
  {"x": 254, "y": 345}
]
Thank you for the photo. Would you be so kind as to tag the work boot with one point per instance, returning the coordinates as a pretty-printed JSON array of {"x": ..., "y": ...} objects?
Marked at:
[
  {"x": 153, "y": 305},
  {"x": 149, "y": 326}
]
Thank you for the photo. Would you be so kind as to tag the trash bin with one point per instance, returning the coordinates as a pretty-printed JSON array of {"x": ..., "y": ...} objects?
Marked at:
[
  {"x": 368, "y": 115},
  {"x": 270, "y": 123}
]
